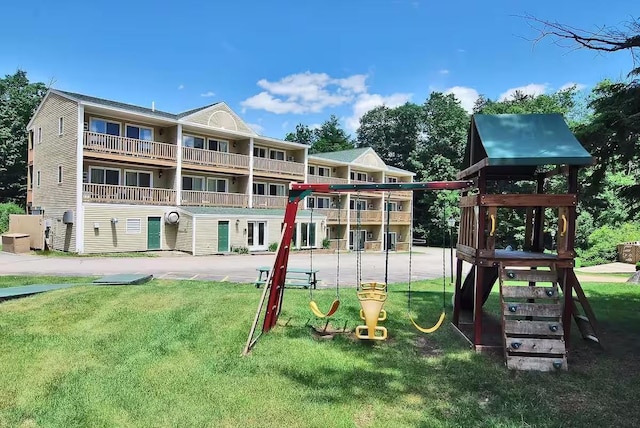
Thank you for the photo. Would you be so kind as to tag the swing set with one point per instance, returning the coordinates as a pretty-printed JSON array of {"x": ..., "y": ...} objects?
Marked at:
[{"x": 371, "y": 295}]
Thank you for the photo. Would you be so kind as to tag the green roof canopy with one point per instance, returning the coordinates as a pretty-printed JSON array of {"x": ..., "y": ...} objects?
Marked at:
[{"x": 523, "y": 140}]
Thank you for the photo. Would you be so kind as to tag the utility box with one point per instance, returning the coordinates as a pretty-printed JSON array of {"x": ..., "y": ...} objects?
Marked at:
[{"x": 16, "y": 243}]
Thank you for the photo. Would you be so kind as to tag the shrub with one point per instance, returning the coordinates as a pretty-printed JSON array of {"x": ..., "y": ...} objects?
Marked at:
[
  {"x": 326, "y": 243},
  {"x": 273, "y": 246},
  {"x": 638, "y": 266},
  {"x": 602, "y": 243},
  {"x": 241, "y": 250},
  {"x": 5, "y": 210}
]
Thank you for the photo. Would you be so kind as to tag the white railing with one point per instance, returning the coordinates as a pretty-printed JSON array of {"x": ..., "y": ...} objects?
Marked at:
[
  {"x": 218, "y": 199},
  {"x": 313, "y": 179},
  {"x": 128, "y": 194},
  {"x": 332, "y": 214},
  {"x": 399, "y": 216},
  {"x": 195, "y": 156},
  {"x": 278, "y": 166},
  {"x": 113, "y": 144},
  {"x": 366, "y": 215},
  {"x": 264, "y": 201}
]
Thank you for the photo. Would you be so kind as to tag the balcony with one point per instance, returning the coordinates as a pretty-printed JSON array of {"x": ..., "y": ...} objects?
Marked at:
[
  {"x": 314, "y": 179},
  {"x": 264, "y": 201},
  {"x": 366, "y": 216},
  {"x": 213, "y": 160},
  {"x": 214, "y": 199},
  {"x": 399, "y": 217},
  {"x": 403, "y": 194},
  {"x": 277, "y": 168},
  {"x": 332, "y": 214},
  {"x": 113, "y": 147},
  {"x": 108, "y": 193}
]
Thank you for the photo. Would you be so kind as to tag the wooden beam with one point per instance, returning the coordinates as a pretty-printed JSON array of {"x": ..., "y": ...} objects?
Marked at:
[
  {"x": 468, "y": 201},
  {"x": 564, "y": 169},
  {"x": 473, "y": 168},
  {"x": 536, "y": 200}
]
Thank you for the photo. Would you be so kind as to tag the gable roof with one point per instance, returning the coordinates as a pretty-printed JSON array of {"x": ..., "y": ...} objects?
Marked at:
[
  {"x": 117, "y": 104},
  {"x": 523, "y": 140},
  {"x": 351, "y": 156}
]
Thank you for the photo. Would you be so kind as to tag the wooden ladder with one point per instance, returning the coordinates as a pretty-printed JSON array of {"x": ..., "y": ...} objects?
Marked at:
[{"x": 532, "y": 329}]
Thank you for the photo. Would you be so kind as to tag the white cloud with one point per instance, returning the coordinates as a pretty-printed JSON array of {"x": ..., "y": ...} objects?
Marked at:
[
  {"x": 466, "y": 96},
  {"x": 366, "y": 102},
  {"x": 579, "y": 86},
  {"x": 306, "y": 93},
  {"x": 285, "y": 125},
  {"x": 180, "y": 87},
  {"x": 443, "y": 71},
  {"x": 259, "y": 129},
  {"x": 208, "y": 94},
  {"x": 533, "y": 89},
  {"x": 315, "y": 126}
]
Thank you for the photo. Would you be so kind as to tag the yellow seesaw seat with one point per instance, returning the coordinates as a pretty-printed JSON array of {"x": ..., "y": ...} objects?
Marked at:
[{"x": 372, "y": 298}]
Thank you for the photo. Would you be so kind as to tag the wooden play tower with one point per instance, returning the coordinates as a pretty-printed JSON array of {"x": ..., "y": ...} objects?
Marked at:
[{"x": 539, "y": 291}]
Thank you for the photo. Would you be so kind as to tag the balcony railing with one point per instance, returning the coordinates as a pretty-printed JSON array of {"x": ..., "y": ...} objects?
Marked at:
[
  {"x": 332, "y": 214},
  {"x": 399, "y": 217},
  {"x": 217, "y": 199},
  {"x": 278, "y": 166},
  {"x": 366, "y": 215},
  {"x": 127, "y": 194},
  {"x": 264, "y": 201},
  {"x": 113, "y": 144},
  {"x": 195, "y": 156},
  {"x": 312, "y": 179}
]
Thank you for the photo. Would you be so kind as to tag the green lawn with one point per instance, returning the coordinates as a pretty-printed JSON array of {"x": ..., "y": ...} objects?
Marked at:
[{"x": 168, "y": 353}]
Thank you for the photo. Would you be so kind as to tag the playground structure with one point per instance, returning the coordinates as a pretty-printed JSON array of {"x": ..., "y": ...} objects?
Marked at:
[
  {"x": 371, "y": 295},
  {"x": 535, "y": 321},
  {"x": 535, "y": 324}
]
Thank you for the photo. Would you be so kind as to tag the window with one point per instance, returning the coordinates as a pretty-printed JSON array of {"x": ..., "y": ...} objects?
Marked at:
[
  {"x": 217, "y": 185},
  {"x": 139, "y": 132},
  {"x": 192, "y": 183},
  {"x": 276, "y": 190},
  {"x": 137, "y": 179},
  {"x": 104, "y": 127},
  {"x": 312, "y": 170},
  {"x": 38, "y": 179},
  {"x": 39, "y": 135},
  {"x": 193, "y": 142},
  {"x": 104, "y": 176},
  {"x": 59, "y": 174},
  {"x": 134, "y": 225},
  {"x": 60, "y": 125},
  {"x": 276, "y": 154},
  {"x": 31, "y": 139},
  {"x": 218, "y": 145},
  {"x": 324, "y": 172},
  {"x": 323, "y": 202},
  {"x": 359, "y": 176},
  {"x": 30, "y": 176},
  {"x": 391, "y": 206},
  {"x": 260, "y": 152},
  {"x": 358, "y": 205},
  {"x": 392, "y": 180},
  {"x": 259, "y": 189},
  {"x": 308, "y": 234}
]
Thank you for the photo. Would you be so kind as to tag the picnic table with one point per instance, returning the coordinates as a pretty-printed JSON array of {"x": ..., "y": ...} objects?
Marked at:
[{"x": 297, "y": 277}]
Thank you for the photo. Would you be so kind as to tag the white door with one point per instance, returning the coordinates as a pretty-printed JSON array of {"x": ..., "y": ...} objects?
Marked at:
[
  {"x": 357, "y": 246},
  {"x": 391, "y": 241},
  {"x": 257, "y": 235}
]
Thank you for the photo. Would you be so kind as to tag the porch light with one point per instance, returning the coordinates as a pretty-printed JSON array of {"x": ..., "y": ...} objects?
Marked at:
[{"x": 451, "y": 221}]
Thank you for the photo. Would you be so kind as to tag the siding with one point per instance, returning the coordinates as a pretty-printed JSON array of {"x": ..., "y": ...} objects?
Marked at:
[
  {"x": 109, "y": 238},
  {"x": 56, "y": 150},
  {"x": 184, "y": 238}
]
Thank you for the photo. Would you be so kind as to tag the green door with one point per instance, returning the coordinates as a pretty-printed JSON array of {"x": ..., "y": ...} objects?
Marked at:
[
  {"x": 153, "y": 233},
  {"x": 223, "y": 236}
]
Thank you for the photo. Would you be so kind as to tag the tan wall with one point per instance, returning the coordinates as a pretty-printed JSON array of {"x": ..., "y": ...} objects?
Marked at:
[
  {"x": 210, "y": 117},
  {"x": 164, "y": 182},
  {"x": 110, "y": 237},
  {"x": 207, "y": 234},
  {"x": 56, "y": 150},
  {"x": 168, "y": 132},
  {"x": 184, "y": 234}
]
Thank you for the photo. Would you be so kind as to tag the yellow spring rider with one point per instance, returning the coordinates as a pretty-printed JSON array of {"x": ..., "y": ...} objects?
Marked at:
[{"x": 372, "y": 296}]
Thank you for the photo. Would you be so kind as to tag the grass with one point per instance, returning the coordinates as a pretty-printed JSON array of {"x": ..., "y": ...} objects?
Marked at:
[
  {"x": 167, "y": 353},
  {"x": 56, "y": 253}
]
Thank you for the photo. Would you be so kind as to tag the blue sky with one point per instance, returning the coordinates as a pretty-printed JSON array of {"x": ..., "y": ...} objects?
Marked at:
[{"x": 278, "y": 63}]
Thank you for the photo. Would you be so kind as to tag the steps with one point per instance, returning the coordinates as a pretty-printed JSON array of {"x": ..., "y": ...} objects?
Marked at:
[{"x": 532, "y": 328}]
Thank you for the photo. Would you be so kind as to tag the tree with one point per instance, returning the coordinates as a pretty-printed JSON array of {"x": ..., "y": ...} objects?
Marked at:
[
  {"x": 392, "y": 132},
  {"x": 18, "y": 101},
  {"x": 303, "y": 135}
]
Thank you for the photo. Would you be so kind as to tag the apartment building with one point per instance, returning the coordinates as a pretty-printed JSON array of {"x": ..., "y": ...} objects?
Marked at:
[{"x": 111, "y": 177}]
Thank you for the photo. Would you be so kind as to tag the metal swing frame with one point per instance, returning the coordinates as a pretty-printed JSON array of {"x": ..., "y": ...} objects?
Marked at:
[{"x": 275, "y": 286}]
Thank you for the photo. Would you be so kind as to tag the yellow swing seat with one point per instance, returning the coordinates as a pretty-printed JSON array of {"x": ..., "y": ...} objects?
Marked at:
[
  {"x": 317, "y": 312},
  {"x": 431, "y": 329}
]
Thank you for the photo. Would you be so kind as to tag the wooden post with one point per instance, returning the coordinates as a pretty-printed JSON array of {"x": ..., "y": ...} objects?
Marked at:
[
  {"x": 457, "y": 298},
  {"x": 538, "y": 223},
  {"x": 571, "y": 236},
  {"x": 479, "y": 277}
]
